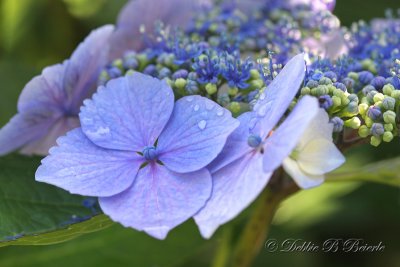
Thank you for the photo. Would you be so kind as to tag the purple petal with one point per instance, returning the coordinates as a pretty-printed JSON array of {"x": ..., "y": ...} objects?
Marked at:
[
  {"x": 159, "y": 200},
  {"x": 79, "y": 166},
  {"x": 144, "y": 13},
  {"x": 195, "y": 134},
  {"x": 39, "y": 107},
  {"x": 316, "y": 5},
  {"x": 277, "y": 97},
  {"x": 234, "y": 187},
  {"x": 44, "y": 94},
  {"x": 236, "y": 145},
  {"x": 21, "y": 130},
  {"x": 129, "y": 113},
  {"x": 58, "y": 128},
  {"x": 85, "y": 65},
  {"x": 287, "y": 136}
]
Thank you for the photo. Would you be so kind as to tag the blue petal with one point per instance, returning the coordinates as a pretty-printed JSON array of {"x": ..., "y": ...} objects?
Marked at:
[
  {"x": 277, "y": 97},
  {"x": 234, "y": 187},
  {"x": 195, "y": 134},
  {"x": 21, "y": 130},
  {"x": 287, "y": 136},
  {"x": 84, "y": 67},
  {"x": 79, "y": 166},
  {"x": 159, "y": 200},
  {"x": 236, "y": 145},
  {"x": 129, "y": 113},
  {"x": 145, "y": 13},
  {"x": 39, "y": 107}
]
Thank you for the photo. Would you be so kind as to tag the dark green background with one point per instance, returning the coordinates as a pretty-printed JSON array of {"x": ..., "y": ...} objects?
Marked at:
[{"x": 37, "y": 33}]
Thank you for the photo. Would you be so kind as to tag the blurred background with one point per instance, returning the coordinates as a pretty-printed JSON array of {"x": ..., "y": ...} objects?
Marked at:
[{"x": 38, "y": 33}]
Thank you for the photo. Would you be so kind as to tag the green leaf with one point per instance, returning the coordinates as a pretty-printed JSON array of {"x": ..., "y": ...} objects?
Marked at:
[
  {"x": 116, "y": 246},
  {"x": 29, "y": 209},
  {"x": 384, "y": 172}
]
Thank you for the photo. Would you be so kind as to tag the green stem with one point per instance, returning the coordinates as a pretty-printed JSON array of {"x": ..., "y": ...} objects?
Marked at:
[
  {"x": 255, "y": 232},
  {"x": 222, "y": 254}
]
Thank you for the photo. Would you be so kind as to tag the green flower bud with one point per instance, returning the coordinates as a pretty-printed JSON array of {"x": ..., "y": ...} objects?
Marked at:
[
  {"x": 389, "y": 117},
  {"x": 353, "y": 123},
  {"x": 338, "y": 93},
  {"x": 368, "y": 122},
  {"x": 305, "y": 91},
  {"x": 353, "y": 98},
  {"x": 118, "y": 63},
  {"x": 388, "y": 127},
  {"x": 363, "y": 131},
  {"x": 345, "y": 100},
  {"x": 387, "y": 137},
  {"x": 180, "y": 83},
  {"x": 325, "y": 81},
  {"x": 233, "y": 91},
  {"x": 376, "y": 141},
  {"x": 378, "y": 97},
  {"x": 234, "y": 107},
  {"x": 362, "y": 109},
  {"x": 388, "y": 103},
  {"x": 331, "y": 88},
  {"x": 388, "y": 89},
  {"x": 211, "y": 88},
  {"x": 256, "y": 84},
  {"x": 320, "y": 90},
  {"x": 336, "y": 101},
  {"x": 369, "y": 64},
  {"x": 255, "y": 74},
  {"x": 353, "y": 75},
  {"x": 395, "y": 94}
]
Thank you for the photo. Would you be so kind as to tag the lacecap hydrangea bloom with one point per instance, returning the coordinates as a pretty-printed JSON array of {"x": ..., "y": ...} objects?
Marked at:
[
  {"x": 256, "y": 149},
  {"x": 143, "y": 155}
]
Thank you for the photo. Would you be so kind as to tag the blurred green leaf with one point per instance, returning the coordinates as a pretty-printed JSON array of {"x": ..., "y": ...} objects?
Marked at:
[
  {"x": 96, "y": 223},
  {"x": 115, "y": 246},
  {"x": 84, "y": 8},
  {"x": 13, "y": 77},
  {"x": 30, "y": 208},
  {"x": 13, "y": 19},
  {"x": 385, "y": 172}
]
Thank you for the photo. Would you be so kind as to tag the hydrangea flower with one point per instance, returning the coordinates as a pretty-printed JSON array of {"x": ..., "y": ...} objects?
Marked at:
[
  {"x": 141, "y": 154},
  {"x": 48, "y": 106},
  {"x": 315, "y": 154},
  {"x": 253, "y": 152},
  {"x": 139, "y": 15}
]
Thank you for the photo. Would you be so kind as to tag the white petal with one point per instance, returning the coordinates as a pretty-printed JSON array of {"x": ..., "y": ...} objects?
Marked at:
[
  {"x": 320, "y": 156},
  {"x": 319, "y": 128},
  {"x": 301, "y": 178}
]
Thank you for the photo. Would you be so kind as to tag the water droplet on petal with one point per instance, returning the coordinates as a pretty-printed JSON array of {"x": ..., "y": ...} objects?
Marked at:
[
  {"x": 252, "y": 123},
  {"x": 209, "y": 106},
  {"x": 220, "y": 112},
  {"x": 202, "y": 124},
  {"x": 262, "y": 111},
  {"x": 189, "y": 98},
  {"x": 262, "y": 96},
  {"x": 196, "y": 107}
]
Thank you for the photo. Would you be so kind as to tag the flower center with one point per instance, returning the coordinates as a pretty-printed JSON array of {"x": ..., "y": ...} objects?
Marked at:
[
  {"x": 150, "y": 153},
  {"x": 254, "y": 140}
]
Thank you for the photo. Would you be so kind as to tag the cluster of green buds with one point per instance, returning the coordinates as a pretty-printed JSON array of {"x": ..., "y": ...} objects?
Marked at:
[
  {"x": 378, "y": 111},
  {"x": 341, "y": 106}
]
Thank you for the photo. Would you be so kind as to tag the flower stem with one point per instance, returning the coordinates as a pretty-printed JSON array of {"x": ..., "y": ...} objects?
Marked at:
[{"x": 256, "y": 230}]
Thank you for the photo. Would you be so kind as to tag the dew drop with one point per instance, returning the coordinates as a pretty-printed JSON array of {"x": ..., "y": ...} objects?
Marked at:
[
  {"x": 252, "y": 123},
  {"x": 262, "y": 96},
  {"x": 209, "y": 106},
  {"x": 189, "y": 98},
  {"x": 262, "y": 111},
  {"x": 196, "y": 107},
  {"x": 202, "y": 124},
  {"x": 220, "y": 112}
]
